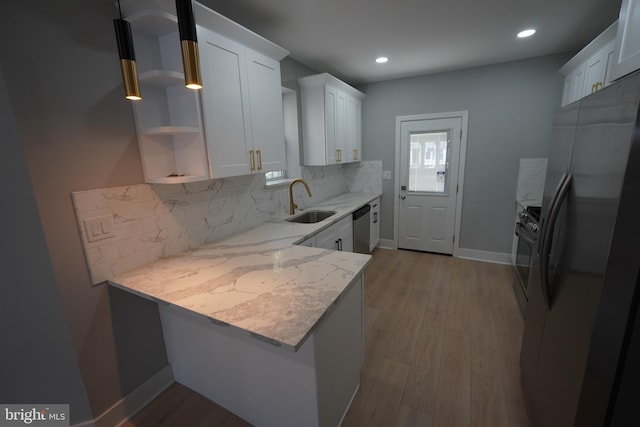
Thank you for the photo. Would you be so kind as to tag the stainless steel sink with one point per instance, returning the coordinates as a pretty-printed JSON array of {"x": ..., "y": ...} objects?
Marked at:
[{"x": 311, "y": 217}]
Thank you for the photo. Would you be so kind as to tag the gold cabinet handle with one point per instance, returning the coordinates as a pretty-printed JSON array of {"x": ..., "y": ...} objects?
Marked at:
[
  {"x": 355, "y": 154},
  {"x": 596, "y": 86},
  {"x": 338, "y": 155},
  {"x": 253, "y": 161},
  {"x": 259, "y": 153}
]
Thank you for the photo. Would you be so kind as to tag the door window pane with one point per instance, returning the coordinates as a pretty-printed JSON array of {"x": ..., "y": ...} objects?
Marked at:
[{"x": 428, "y": 162}]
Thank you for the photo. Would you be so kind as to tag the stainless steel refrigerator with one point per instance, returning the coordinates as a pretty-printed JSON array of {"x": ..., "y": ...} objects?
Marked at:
[{"x": 581, "y": 345}]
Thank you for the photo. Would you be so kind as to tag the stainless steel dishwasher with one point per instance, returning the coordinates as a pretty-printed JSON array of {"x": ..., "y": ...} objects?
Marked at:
[{"x": 361, "y": 235}]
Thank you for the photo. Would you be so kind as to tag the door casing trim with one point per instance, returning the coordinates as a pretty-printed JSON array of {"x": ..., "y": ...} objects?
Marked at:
[{"x": 464, "y": 115}]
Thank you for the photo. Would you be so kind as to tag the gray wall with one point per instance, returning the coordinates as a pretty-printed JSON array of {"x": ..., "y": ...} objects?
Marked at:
[
  {"x": 37, "y": 361},
  {"x": 291, "y": 70},
  {"x": 62, "y": 74},
  {"x": 510, "y": 109}
]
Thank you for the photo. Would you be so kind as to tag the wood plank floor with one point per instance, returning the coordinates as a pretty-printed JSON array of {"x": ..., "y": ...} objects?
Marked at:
[{"x": 442, "y": 341}]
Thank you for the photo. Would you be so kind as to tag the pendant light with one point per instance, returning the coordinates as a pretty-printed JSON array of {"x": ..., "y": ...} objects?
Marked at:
[
  {"x": 189, "y": 44},
  {"x": 127, "y": 58}
]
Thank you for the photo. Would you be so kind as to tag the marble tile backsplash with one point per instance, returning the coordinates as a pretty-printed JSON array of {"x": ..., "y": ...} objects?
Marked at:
[
  {"x": 153, "y": 221},
  {"x": 531, "y": 177}
]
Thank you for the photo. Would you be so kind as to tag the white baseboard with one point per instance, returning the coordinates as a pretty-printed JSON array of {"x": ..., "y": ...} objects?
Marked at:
[
  {"x": 487, "y": 256},
  {"x": 129, "y": 405},
  {"x": 387, "y": 244}
]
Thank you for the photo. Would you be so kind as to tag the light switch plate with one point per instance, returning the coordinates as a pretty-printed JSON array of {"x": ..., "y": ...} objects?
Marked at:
[
  {"x": 386, "y": 175},
  {"x": 99, "y": 228}
]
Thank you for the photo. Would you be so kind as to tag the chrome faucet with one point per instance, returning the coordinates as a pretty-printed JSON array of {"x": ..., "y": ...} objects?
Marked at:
[{"x": 293, "y": 206}]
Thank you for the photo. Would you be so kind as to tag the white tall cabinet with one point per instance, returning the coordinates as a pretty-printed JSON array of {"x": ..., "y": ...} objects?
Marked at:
[
  {"x": 331, "y": 121},
  {"x": 233, "y": 126},
  {"x": 338, "y": 236}
]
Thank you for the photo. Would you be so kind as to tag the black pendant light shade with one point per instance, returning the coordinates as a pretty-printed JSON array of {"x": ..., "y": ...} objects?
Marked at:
[
  {"x": 127, "y": 60},
  {"x": 189, "y": 44}
]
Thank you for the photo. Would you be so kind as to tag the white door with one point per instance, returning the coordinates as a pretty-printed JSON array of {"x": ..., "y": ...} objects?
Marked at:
[{"x": 429, "y": 160}]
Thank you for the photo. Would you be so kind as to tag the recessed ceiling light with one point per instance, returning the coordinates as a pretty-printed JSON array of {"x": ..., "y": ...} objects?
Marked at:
[
  {"x": 526, "y": 33},
  {"x": 382, "y": 60}
]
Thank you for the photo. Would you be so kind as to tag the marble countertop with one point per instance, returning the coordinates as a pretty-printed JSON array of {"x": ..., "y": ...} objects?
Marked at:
[{"x": 258, "y": 282}]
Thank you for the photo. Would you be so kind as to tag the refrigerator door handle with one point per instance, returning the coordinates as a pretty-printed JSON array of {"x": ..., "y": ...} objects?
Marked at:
[
  {"x": 522, "y": 233},
  {"x": 547, "y": 235}
]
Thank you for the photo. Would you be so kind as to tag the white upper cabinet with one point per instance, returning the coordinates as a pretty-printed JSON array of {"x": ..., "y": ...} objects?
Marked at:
[
  {"x": 233, "y": 126},
  {"x": 242, "y": 105},
  {"x": 331, "y": 121},
  {"x": 627, "y": 50},
  {"x": 590, "y": 69},
  {"x": 612, "y": 55},
  {"x": 267, "y": 122},
  {"x": 225, "y": 101},
  {"x": 338, "y": 236},
  {"x": 354, "y": 129}
]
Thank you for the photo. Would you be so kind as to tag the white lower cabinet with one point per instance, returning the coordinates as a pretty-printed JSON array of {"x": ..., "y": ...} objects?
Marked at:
[
  {"x": 233, "y": 126},
  {"x": 266, "y": 384},
  {"x": 338, "y": 236},
  {"x": 344, "y": 232}
]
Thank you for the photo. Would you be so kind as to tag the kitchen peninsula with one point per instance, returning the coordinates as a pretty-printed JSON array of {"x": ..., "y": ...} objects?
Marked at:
[{"x": 266, "y": 328}]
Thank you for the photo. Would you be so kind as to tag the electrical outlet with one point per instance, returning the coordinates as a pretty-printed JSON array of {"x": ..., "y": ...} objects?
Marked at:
[
  {"x": 99, "y": 228},
  {"x": 386, "y": 175}
]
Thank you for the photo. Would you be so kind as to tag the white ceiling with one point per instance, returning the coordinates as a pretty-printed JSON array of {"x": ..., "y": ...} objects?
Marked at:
[{"x": 343, "y": 37}]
